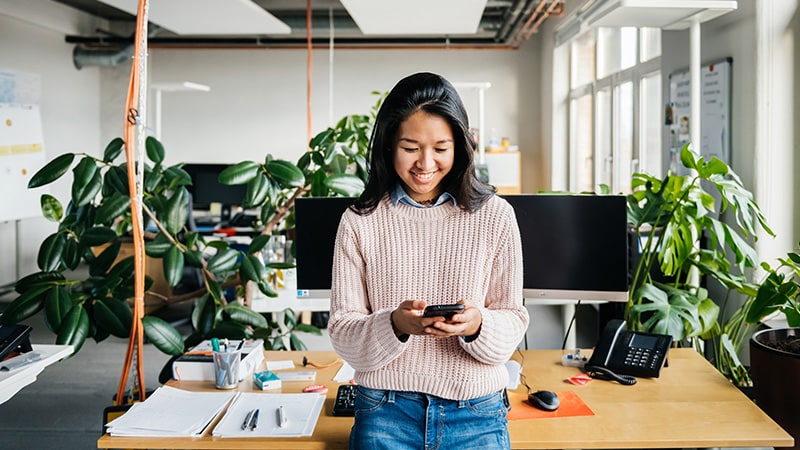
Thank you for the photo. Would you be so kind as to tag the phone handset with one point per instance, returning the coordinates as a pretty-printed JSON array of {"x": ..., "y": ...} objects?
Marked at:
[{"x": 596, "y": 367}]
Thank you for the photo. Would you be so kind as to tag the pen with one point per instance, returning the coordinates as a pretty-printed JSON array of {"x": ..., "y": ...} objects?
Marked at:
[
  {"x": 20, "y": 361},
  {"x": 246, "y": 422},
  {"x": 254, "y": 420},
  {"x": 283, "y": 420},
  {"x": 241, "y": 343}
]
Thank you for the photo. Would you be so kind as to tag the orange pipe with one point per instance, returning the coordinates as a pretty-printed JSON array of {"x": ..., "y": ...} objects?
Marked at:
[{"x": 308, "y": 74}]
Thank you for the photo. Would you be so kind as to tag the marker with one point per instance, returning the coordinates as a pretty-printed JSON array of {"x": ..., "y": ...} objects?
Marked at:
[
  {"x": 283, "y": 420},
  {"x": 254, "y": 421},
  {"x": 241, "y": 343},
  {"x": 246, "y": 422},
  {"x": 20, "y": 361},
  {"x": 215, "y": 344}
]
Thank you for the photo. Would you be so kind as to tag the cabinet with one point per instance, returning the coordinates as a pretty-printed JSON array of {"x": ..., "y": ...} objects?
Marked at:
[{"x": 504, "y": 171}]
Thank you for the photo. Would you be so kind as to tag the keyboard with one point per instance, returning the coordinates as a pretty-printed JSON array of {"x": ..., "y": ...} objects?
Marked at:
[{"x": 345, "y": 400}]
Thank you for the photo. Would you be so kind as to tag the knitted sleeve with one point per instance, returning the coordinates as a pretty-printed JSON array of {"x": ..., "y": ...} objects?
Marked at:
[
  {"x": 505, "y": 319},
  {"x": 362, "y": 337}
]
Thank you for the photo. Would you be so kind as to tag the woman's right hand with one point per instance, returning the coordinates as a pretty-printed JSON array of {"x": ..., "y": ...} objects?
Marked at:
[{"x": 407, "y": 318}]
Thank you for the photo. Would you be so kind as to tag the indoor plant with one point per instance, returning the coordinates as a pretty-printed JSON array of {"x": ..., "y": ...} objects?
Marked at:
[
  {"x": 684, "y": 247},
  {"x": 98, "y": 214}
]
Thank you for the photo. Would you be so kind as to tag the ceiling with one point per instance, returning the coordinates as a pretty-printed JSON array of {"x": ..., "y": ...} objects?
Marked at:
[{"x": 503, "y": 24}]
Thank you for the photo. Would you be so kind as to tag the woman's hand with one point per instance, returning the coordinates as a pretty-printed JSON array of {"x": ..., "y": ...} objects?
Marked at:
[
  {"x": 407, "y": 319},
  {"x": 466, "y": 323}
]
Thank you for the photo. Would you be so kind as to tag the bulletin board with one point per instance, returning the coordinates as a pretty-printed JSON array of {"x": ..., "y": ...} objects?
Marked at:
[
  {"x": 21, "y": 145},
  {"x": 715, "y": 110}
]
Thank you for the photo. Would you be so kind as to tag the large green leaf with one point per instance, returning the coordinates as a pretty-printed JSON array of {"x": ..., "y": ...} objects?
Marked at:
[
  {"x": 86, "y": 182},
  {"x": 154, "y": 149},
  {"x": 113, "y": 149},
  {"x": 49, "y": 257},
  {"x": 97, "y": 236},
  {"x": 252, "y": 269},
  {"x": 258, "y": 190},
  {"x": 114, "y": 316},
  {"x": 57, "y": 304},
  {"x": 112, "y": 207},
  {"x": 173, "y": 266},
  {"x": 285, "y": 173},
  {"x": 26, "y": 305},
  {"x": 245, "y": 315},
  {"x": 163, "y": 335},
  {"x": 116, "y": 179},
  {"x": 158, "y": 246},
  {"x": 51, "y": 208},
  {"x": 74, "y": 328},
  {"x": 177, "y": 211},
  {"x": 105, "y": 259},
  {"x": 345, "y": 184},
  {"x": 223, "y": 261},
  {"x": 38, "y": 279},
  {"x": 239, "y": 173},
  {"x": 204, "y": 314},
  {"x": 52, "y": 170}
]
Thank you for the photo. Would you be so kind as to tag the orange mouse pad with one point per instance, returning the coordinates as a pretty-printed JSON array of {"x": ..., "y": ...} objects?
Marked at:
[{"x": 571, "y": 405}]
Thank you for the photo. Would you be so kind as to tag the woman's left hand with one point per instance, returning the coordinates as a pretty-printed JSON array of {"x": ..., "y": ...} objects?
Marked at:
[{"x": 466, "y": 323}]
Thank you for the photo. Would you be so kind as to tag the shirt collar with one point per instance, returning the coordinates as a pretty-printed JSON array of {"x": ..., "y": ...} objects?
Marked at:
[{"x": 399, "y": 195}]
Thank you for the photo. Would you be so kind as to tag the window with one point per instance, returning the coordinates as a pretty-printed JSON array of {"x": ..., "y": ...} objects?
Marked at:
[{"x": 614, "y": 107}]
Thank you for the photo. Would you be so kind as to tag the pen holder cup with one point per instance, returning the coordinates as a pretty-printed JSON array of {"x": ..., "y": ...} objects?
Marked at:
[{"x": 226, "y": 369}]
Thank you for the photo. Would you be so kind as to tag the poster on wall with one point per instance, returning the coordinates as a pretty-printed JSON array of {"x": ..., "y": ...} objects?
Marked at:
[
  {"x": 21, "y": 144},
  {"x": 715, "y": 95}
]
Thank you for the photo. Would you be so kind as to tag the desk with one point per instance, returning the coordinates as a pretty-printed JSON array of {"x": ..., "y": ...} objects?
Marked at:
[
  {"x": 13, "y": 381},
  {"x": 690, "y": 406}
]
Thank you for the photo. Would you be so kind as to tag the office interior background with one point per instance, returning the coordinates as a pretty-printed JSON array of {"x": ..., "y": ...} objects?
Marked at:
[{"x": 538, "y": 95}]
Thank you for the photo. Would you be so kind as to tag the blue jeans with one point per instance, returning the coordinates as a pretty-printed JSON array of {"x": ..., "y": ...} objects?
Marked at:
[{"x": 394, "y": 420}]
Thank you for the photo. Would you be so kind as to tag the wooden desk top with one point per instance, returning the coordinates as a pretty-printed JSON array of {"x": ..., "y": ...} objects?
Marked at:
[{"x": 690, "y": 406}]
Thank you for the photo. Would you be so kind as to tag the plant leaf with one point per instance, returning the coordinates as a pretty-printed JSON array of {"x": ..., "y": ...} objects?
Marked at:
[
  {"x": 173, "y": 266},
  {"x": 113, "y": 315},
  {"x": 97, "y": 236},
  {"x": 57, "y": 303},
  {"x": 154, "y": 149},
  {"x": 285, "y": 173},
  {"x": 49, "y": 257},
  {"x": 52, "y": 170},
  {"x": 223, "y": 261},
  {"x": 345, "y": 184},
  {"x": 163, "y": 335},
  {"x": 177, "y": 210},
  {"x": 51, "y": 208},
  {"x": 204, "y": 314},
  {"x": 74, "y": 328},
  {"x": 113, "y": 149},
  {"x": 25, "y": 306},
  {"x": 245, "y": 315},
  {"x": 239, "y": 173},
  {"x": 112, "y": 207}
]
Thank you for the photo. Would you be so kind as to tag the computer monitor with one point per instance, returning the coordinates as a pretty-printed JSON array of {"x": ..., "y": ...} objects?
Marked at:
[
  {"x": 316, "y": 223},
  {"x": 206, "y": 188},
  {"x": 574, "y": 247}
]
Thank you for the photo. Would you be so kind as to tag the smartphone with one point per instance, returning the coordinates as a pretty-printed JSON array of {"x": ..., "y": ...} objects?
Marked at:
[{"x": 445, "y": 311}]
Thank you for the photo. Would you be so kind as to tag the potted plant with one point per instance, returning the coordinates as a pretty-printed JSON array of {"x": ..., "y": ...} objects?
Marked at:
[
  {"x": 684, "y": 247},
  {"x": 98, "y": 216}
]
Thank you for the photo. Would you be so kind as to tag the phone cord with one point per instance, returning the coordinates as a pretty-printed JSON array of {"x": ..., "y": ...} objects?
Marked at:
[{"x": 602, "y": 373}]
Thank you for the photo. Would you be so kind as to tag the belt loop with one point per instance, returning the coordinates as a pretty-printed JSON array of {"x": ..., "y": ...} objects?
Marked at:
[
  {"x": 390, "y": 396},
  {"x": 462, "y": 403}
]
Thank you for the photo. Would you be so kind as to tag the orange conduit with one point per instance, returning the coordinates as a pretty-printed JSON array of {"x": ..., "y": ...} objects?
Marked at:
[
  {"x": 308, "y": 75},
  {"x": 132, "y": 109}
]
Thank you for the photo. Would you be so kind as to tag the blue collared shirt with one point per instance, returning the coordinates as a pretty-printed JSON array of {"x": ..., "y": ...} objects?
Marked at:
[{"x": 399, "y": 195}]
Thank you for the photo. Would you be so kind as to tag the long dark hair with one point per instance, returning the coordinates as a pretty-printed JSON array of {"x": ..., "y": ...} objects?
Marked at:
[{"x": 433, "y": 94}]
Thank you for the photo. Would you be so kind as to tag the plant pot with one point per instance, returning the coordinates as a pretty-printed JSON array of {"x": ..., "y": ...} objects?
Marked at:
[{"x": 775, "y": 371}]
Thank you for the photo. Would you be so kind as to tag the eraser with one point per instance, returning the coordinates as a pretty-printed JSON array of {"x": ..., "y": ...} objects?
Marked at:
[{"x": 266, "y": 380}]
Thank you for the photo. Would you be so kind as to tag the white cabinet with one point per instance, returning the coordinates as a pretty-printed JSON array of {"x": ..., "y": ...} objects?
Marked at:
[{"x": 504, "y": 171}]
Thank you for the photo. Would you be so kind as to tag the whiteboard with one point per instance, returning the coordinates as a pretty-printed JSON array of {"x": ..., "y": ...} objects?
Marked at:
[
  {"x": 21, "y": 144},
  {"x": 715, "y": 110}
]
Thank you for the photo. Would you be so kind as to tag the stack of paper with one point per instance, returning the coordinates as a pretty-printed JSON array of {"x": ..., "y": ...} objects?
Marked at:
[
  {"x": 171, "y": 412},
  {"x": 299, "y": 416}
]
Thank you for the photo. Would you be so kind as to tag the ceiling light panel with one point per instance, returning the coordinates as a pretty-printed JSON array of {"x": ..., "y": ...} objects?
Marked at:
[
  {"x": 208, "y": 17},
  {"x": 425, "y": 17}
]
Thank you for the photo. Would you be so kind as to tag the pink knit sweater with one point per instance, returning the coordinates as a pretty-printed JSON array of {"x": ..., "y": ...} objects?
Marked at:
[{"x": 439, "y": 255}]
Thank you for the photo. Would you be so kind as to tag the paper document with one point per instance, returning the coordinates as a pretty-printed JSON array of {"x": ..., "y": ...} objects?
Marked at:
[
  {"x": 345, "y": 373},
  {"x": 171, "y": 412},
  {"x": 279, "y": 415}
]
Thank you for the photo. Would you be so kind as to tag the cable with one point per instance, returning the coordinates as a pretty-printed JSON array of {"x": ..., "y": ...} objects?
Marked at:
[
  {"x": 602, "y": 373},
  {"x": 569, "y": 327}
]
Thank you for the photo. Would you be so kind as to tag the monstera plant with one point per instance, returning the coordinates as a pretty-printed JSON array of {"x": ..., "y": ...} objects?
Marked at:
[
  {"x": 96, "y": 221},
  {"x": 685, "y": 245}
]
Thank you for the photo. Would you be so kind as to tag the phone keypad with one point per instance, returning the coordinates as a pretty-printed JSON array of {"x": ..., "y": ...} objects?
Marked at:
[
  {"x": 642, "y": 357},
  {"x": 345, "y": 400}
]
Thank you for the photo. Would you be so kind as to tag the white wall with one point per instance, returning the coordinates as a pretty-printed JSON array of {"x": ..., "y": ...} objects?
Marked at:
[{"x": 32, "y": 40}]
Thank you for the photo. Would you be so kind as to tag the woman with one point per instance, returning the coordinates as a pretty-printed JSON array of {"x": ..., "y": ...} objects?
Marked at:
[{"x": 425, "y": 232}]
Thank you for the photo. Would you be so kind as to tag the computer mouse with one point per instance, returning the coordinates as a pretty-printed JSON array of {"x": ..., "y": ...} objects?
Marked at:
[{"x": 546, "y": 400}]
